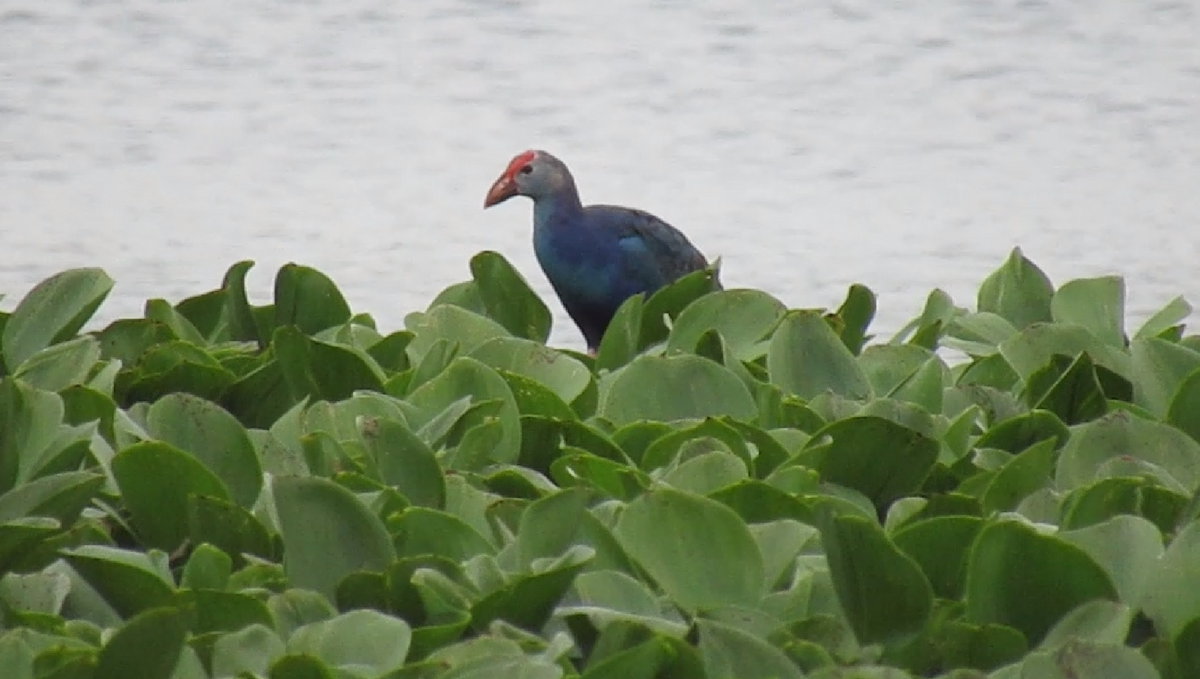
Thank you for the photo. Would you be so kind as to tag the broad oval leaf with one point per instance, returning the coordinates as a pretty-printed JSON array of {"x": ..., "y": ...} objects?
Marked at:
[
  {"x": 362, "y": 641},
  {"x": 698, "y": 550},
  {"x": 743, "y": 317},
  {"x": 308, "y": 299},
  {"x": 213, "y": 436},
  {"x": 807, "y": 358},
  {"x": 673, "y": 388},
  {"x": 1123, "y": 437},
  {"x": 564, "y": 375},
  {"x": 1020, "y": 578},
  {"x": 327, "y": 533},
  {"x": 53, "y": 311},
  {"x": 508, "y": 298},
  {"x": 1018, "y": 291},
  {"x": 146, "y": 646},
  {"x": 1097, "y": 304}
]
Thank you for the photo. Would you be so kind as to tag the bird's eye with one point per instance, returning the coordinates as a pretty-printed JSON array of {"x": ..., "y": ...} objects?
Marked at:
[{"x": 528, "y": 169}]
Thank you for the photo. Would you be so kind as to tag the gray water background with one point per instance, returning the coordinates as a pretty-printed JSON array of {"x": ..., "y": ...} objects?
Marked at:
[{"x": 905, "y": 146}]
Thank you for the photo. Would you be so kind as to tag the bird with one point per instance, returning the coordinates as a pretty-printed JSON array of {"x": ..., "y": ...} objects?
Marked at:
[{"x": 597, "y": 256}]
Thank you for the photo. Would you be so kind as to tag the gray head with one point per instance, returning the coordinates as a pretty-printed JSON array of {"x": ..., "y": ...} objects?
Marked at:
[{"x": 534, "y": 173}]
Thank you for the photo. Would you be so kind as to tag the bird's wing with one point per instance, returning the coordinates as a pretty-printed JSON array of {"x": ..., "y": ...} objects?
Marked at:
[{"x": 656, "y": 252}]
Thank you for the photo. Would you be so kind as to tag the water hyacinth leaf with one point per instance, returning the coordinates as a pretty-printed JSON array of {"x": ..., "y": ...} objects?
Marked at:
[
  {"x": 534, "y": 398},
  {"x": 1068, "y": 388},
  {"x": 888, "y": 366},
  {"x": 129, "y": 581},
  {"x": 320, "y": 370},
  {"x": 16, "y": 657},
  {"x": 806, "y": 358},
  {"x": 127, "y": 339},
  {"x": 1016, "y": 434},
  {"x": 1122, "y": 437},
  {"x": 161, "y": 311},
  {"x": 508, "y": 298},
  {"x": 528, "y": 599},
  {"x": 260, "y": 397},
  {"x": 59, "y": 496},
  {"x": 707, "y": 472},
  {"x": 467, "y": 377},
  {"x": 673, "y": 388},
  {"x": 1126, "y": 547},
  {"x": 1185, "y": 404},
  {"x": 420, "y": 531},
  {"x": 207, "y": 568},
  {"x": 567, "y": 377},
  {"x": 148, "y": 646},
  {"x": 1160, "y": 368},
  {"x": 251, "y": 649},
  {"x": 53, "y": 311},
  {"x": 405, "y": 462},
  {"x": 1032, "y": 349},
  {"x": 208, "y": 432},
  {"x": 1097, "y": 304},
  {"x": 301, "y": 667},
  {"x": 742, "y": 317},
  {"x": 549, "y": 525},
  {"x": 940, "y": 545},
  {"x": 1171, "y": 599},
  {"x": 670, "y": 300},
  {"x": 1020, "y": 578},
  {"x": 620, "y": 342},
  {"x": 1019, "y": 477},
  {"x": 1100, "y": 621},
  {"x": 614, "y": 479},
  {"x": 59, "y": 366},
  {"x": 308, "y": 299},
  {"x": 856, "y": 311},
  {"x": 20, "y": 536},
  {"x": 170, "y": 367},
  {"x": 877, "y": 457},
  {"x": 327, "y": 533},
  {"x": 242, "y": 324},
  {"x": 156, "y": 479},
  {"x": 42, "y": 592},
  {"x": 359, "y": 641},
  {"x": 29, "y": 421},
  {"x": 698, "y": 550},
  {"x": 883, "y": 592},
  {"x": 1080, "y": 658},
  {"x": 732, "y": 653},
  {"x": 643, "y": 661},
  {"x": 452, "y": 324},
  {"x": 1018, "y": 291},
  {"x": 1165, "y": 318}
]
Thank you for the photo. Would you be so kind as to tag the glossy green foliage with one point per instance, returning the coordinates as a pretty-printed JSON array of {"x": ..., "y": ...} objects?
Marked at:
[{"x": 730, "y": 489}]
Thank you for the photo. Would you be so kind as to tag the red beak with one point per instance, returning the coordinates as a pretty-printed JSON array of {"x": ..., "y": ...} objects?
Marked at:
[{"x": 502, "y": 190}]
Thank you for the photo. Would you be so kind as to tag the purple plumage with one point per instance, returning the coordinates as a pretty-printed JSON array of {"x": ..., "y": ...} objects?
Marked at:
[{"x": 597, "y": 256}]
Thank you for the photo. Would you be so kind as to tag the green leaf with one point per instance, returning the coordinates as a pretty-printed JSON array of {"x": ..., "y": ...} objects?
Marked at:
[
  {"x": 147, "y": 646},
  {"x": 357, "y": 641},
  {"x": 671, "y": 299},
  {"x": 884, "y": 594},
  {"x": 508, "y": 298},
  {"x": 698, "y": 550},
  {"x": 53, "y": 311},
  {"x": 327, "y": 533},
  {"x": 467, "y": 377},
  {"x": 59, "y": 366},
  {"x": 60, "y": 496},
  {"x": 228, "y": 526},
  {"x": 1036, "y": 346},
  {"x": 940, "y": 546},
  {"x": 549, "y": 526},
  {"x": 1159, "y": 371},
  {"x": 29, "y": 421},
  {"x": 564, "y": 375},
  {"x": 743, "y": 317},
  {"x": 1171, "y": 599},
  {"x": 308, "y": 299},
  {"x": 213, "y": 436},
  {"x": 1127, "y": 547},
  {"x": 732, "y": 653},
  {"x": 620, "y": 342},
  {"x": 251, "y": 649},
  {"x": 405, "y": 462},
  {"x": 156, "y": 479},
  {"x": 130, "y": 582},
  {"x": 1020, "y": 578},
  {"x": 321, "y": 370},
  {"x": 673, "y": 388},
  {"x": 172, "y": 367},
  {"x": 1019, "y": 477},
  {"x": 1165, "y": 318},
  {"x": 1120, "y": 438},
  {"x": 1018, "y": 292},
  {"x": 1097, "y": 304},
  {"x": 856, "y": 311},
  {"x": 807, "y": 358},
  {"x": 452, "y": 324},
  {"x": 528, "y": 599},
  {"x": 1185, "y": 404},
  {"x": 876, "y": 457}
]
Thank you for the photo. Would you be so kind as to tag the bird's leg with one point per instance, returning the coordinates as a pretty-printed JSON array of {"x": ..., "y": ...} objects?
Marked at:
[{"x": 592, "y": 352}]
